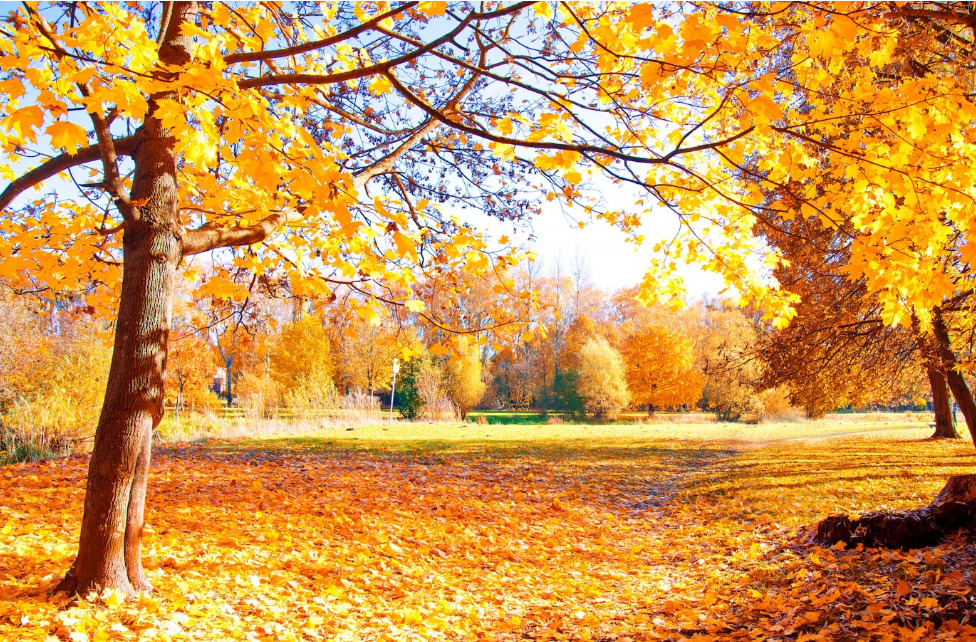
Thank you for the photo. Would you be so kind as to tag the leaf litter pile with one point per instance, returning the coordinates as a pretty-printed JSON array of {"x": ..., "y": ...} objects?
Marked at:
[{"x": 648, "y": 538}]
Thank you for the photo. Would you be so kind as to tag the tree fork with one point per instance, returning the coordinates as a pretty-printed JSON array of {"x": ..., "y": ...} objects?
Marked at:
[
  {"x": 110, "y": 545},
  {"x": 110, "y": 542}
]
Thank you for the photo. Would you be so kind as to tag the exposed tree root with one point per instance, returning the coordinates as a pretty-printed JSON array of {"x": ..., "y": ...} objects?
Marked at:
[
  {"x": 68, "y": 584},
  {"x": 952, "y": 510}
]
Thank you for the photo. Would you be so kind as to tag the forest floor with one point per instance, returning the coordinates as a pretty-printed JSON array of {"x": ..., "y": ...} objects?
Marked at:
[{"x": 450, "y": 532}]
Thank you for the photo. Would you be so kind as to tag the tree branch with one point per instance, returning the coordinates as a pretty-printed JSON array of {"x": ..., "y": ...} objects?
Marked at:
[
  {"x": 54, "y": 166},
  {"x": 361, "y": 72},
  {"x": 210, "y": 237},
  {"x": 107, "y": 152},
  {"x": 582, "y": 148},
  {"x": 934, "y": 14},
  {"x": 385, "y": 164},
  {"x": 253, "y": 56}
]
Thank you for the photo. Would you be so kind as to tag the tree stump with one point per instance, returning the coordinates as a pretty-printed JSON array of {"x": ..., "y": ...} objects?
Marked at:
[{"x": 952, "y": 510}]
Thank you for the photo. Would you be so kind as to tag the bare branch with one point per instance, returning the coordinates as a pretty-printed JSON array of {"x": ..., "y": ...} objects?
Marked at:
[
  {"x": 385, "y": 164},
  {"x": 361, "y": 72},
  {"x": 54, "y": 166},
  {"x": 253, "y": 56}
]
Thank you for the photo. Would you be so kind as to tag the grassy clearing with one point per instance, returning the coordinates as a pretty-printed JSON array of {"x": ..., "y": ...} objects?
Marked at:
[
  {"x": 468, "y": 532},
  {"x": 470, "y": 437}
]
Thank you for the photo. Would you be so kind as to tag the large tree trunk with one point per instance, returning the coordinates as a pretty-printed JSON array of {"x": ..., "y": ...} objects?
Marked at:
[
  {"x": 111, "y": 528},
  {"x": 957, "y": 383},
  {"x": 109, "y": 548},
  {"x": 945, "y": 427},
  {"x": 952, "y": 510}
]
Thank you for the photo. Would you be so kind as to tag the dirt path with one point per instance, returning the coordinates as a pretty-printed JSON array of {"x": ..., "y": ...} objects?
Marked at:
[{"x": 825, "y": 437}]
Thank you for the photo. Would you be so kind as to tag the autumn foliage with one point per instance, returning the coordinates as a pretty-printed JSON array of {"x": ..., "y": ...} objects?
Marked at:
[{"x": 651, "y": 534}]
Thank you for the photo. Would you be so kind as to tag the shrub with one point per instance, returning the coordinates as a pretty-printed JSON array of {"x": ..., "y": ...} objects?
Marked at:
[
  {"x": 56, "y": 409},
  {"x": 462, "y": 377},
  {"x": 421, "y": 393},
  {"x": 602, "y": 380},
  {"x": 258, "y": 393},
  {"x": 313, "y": 395},
  {"x": 567, "y": 397}
]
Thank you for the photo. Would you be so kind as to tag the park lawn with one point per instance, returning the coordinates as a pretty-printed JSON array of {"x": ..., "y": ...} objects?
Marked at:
[{"x": 473, "y": 532}]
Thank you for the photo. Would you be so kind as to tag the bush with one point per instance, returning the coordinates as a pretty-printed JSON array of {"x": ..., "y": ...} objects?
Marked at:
[
  {"x": 567, "y": 398},
  {"x": 313, "y": 395},
  {"x": 57, "y": 408},
  {"x": 259, "y": 394},
  {"x": 422, "y": 391},
  {"x": 462, "y": 379}
]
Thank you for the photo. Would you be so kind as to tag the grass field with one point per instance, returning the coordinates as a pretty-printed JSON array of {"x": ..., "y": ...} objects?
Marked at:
[{"x": 474, "y": 532}]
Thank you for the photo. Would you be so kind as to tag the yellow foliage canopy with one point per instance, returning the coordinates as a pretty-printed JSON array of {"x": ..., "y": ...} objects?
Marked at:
[
  {"x": 303, "y": 350},
  {"x": 660, "y": 368}
]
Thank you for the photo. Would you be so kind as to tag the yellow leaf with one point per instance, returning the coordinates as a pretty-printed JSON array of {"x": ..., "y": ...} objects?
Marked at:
[
  {"x": 641, "y": 16},
  {"x": 404, "y": 244},
  {"x": 67, "y": 135},
  {"x": 24, "y": 121},
  {"x": 503, "y": 151},
  {"x": 113, "y": 598},
  {"x": 412, "y": 616},
  {"x": 432, "y": 8},
  {"x": 543, "y": 9},
  {"x": 766, "y": 107},
  {"x": 439, "y": 350},
  {"x": 379, "y": 85}
]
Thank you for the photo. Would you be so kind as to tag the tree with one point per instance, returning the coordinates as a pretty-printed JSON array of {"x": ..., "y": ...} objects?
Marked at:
[
  {"x": 837, "y": 351},
  {"x": 725, "y": 341},
  {"x": 602, "y": 382},
  {"x": 660, "y": 368},
  {"x": 660, "y": 357},
  {"x": 367, "y": 356},
  {"x": 191, "y": 368},
  {"x": 303, "y": 351},
  {"x": 53, "y": 366},
  {"x": 462, "y": 372},
  {"x": 565, "y": 388}
]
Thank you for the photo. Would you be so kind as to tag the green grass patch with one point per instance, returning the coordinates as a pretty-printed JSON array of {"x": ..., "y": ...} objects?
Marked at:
[{"x": 496, "y": 439}]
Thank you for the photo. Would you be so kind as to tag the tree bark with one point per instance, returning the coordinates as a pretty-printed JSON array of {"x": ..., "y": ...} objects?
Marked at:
[
  {"x": 111, "y": 528},
  {"x": 110, "y": 545},
  {"x": 229, "y": 391},
  {"x": 957, "y": 383},
  {"x": 952, "y": 510},
  {"x": 945, "y": 427}
]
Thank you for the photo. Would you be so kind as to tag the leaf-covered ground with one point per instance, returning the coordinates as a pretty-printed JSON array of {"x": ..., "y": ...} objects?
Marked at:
[{"x": 492, "y": 533}]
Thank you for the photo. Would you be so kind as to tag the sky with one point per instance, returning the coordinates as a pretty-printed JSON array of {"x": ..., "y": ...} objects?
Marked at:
[{"x": 613, "y": 263}]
